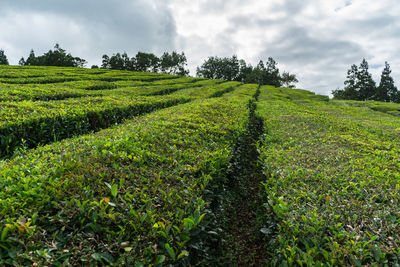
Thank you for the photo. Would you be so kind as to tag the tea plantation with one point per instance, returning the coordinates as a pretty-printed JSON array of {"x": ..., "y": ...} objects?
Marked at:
[{"x": 106, "y": 167}]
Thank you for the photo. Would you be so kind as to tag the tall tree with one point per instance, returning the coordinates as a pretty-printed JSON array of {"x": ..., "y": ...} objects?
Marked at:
[
  {"x": 127, "y": 62},
  {"x": 272, "y": 76},
  {"x": 56, "y": 57},
  {"x": 209, "y": 68},
  {"x": 146, "y": 62},
  {"x": 244, "y": 70},
  {"x": 351, "y": 89},
  {"x": 22, "y": 62},
  {"x": 257, "y": 74},
  {"x": 31, "y": 60},
  {"x": 288, "y": 80},
  {"x": 105, "y": 62},
  {"x": 116, "y": 62},
  {"x": 173, "y": 63},
  {"x": 220, "y": 68},
  {"x": 3, "y": 58},
  {"x": 366, "y": 85},
  {"x": 386, "y": 90}
]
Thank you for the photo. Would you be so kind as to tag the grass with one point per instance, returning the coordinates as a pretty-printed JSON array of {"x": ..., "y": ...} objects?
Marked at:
[
  {"x": 119, "y": 168},
  {"x": 333, "y": 182},
  {"x": 131, "y": 194}
]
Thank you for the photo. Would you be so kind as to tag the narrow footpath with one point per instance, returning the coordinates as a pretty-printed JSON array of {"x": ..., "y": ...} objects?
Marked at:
[{"x": 248, "y": 246}]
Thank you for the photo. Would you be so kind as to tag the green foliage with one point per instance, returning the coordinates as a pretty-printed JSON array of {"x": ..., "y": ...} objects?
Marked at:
[
  {"x": 360, "y": 85},
  {"x": 288, "y": 80},
  {"x": 220, "y": 68},
  {"x": 365, "y": 84},
  {"x": 173, "y": 63},
  {"x": 386, "y": 90},
  {"x": 128, "y": 195},
  {"x": 3, "y": 58},
  {"x": 333, "y": 179},
  {"x": 232, "y": 69},
  {"x": 162, "y": 188},
  {"x": 56, "y": 57}
]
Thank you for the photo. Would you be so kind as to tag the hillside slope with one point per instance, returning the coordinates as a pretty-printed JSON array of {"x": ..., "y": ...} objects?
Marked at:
[{"x": 123, "y": 168}]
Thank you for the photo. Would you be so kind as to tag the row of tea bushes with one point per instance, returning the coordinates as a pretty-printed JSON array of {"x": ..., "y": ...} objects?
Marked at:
[
  {"x": 59, "y": 91},
  {"x": 131, "y": 194},
  {"x": 333, "y": 181}
]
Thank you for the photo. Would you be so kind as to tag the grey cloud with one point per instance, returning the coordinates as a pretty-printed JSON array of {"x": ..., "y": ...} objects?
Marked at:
[
  {"x": 219, "y": 6},
  {"x": 318, "y": 46},
  {"x": 321, "y": 62},
  {"x": 346, "y": 4},
  {"x": 297, "y": 45},
  {"x": 102, "y": 26}
]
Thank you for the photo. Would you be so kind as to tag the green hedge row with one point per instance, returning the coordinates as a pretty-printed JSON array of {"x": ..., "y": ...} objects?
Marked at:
[
  {"x": 333, "y": 181},
  {"x": 214, "y": 90},
  {"x": 130, "y": 195},
  {"x": 86, "y": 88},
  {"x": 35, "y": 123}
]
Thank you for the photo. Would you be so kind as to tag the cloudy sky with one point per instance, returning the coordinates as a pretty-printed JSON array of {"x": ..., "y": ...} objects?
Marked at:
[{"x": 317, "y": 40}]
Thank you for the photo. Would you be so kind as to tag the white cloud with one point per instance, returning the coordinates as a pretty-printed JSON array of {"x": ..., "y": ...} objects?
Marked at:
[
  {"x": 87, "y": 29},
  {"x": 317, "y": 40}
]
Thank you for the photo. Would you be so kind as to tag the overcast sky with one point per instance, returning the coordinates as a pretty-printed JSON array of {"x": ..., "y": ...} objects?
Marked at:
[{"x": 316, "y": 40}]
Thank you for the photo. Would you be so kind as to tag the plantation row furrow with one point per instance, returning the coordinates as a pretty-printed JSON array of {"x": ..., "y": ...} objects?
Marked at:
[
  {"x": 128, "y": 195},
  {"x": 333, "y": 181},
  {"x": 82, "y": 88},
  {"x": 236, "y": 201},
  {"x": 29, "y": 124},
  {"x": 32, "y": 124},
  {"x": 44, "y": 71},
  {"x": 59, "y": 75},
  {"x": 215, "y": 90},
  {"x": 58, "y": 79},
  {"x": 100, "y": 85}
]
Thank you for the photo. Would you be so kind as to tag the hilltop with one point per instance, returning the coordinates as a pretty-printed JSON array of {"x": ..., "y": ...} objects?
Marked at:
[{"x": 135, "y": 168}]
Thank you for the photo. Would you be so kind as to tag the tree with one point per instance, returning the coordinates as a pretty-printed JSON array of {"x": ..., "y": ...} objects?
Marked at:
[
  {"x": 105, "y": 63},
  {"x": 232, "y": 69},
  {"x": 31, "y": 60},
  {"x": 272, "y": 76},
  {"x": 173, "y": 63},
  {"x": 220, "y": 68},
  {"x": 386, "y": 90},
  {"x": 350, "y": 90},
  {"x": 288, "y": 80},
  {"x": 244, "y": 71},
  {"x": 116, "y": 62},
  {"x": 209, "y": 68},
  {"x": 127, "y": 62},
  {"x": 146, "y": 62},
  {"x": 257, "y": 75},
  {"x": 56, "y": 57},
  {"x": 366, "y": 85},
  {"x": 3, "y": 58},
  {"x": 22, "y": 62},
  {"x": 338, "y": 94}
]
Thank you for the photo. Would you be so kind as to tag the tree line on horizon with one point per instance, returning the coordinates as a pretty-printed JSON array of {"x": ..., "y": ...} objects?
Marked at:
[
  {"x": 230, "y": 69},
  {"x": 360, "y": 85},
  {"x": 57, "y": 57},
  {"x": 233, "y": 69},
  {"x": 169, "y": 63}
]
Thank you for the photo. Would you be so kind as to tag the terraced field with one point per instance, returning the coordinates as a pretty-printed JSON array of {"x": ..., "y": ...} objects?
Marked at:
[{"x": 103, "y": 167}]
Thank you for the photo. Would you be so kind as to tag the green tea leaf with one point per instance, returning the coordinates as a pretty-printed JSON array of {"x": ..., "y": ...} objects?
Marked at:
[
  {"x": 4, "y": 234},
  {"x": 160, "y": 259},
  {"x": 170, "y": 251},
  {"x": 114, "y": 190}
]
